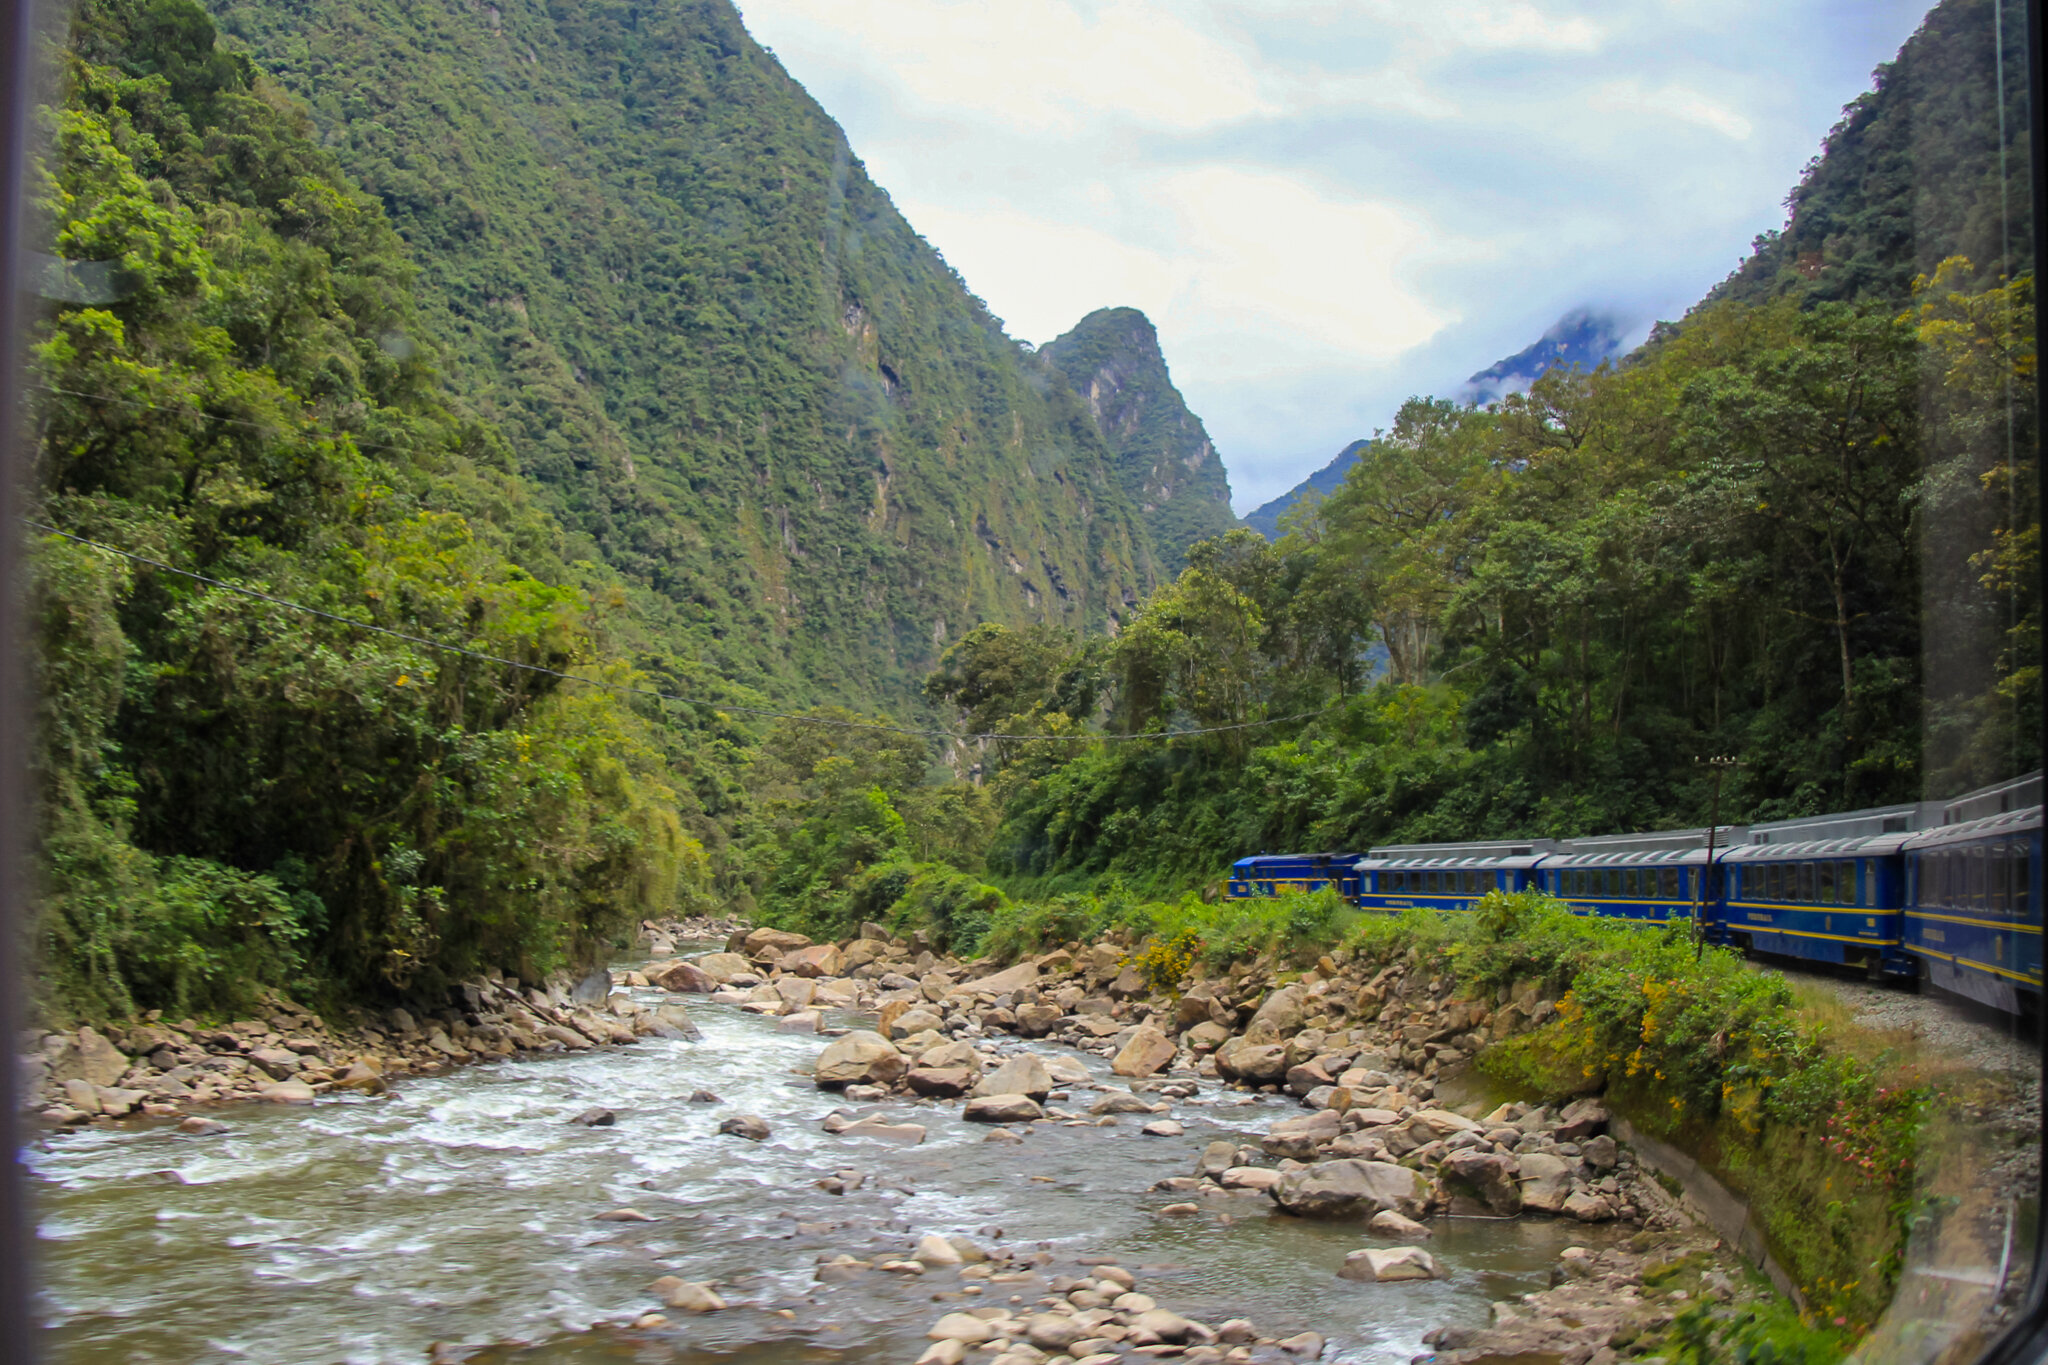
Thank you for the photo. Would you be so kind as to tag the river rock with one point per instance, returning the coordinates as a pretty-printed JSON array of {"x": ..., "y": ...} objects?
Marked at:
[
  {"x": 964, "y": 1328},
  {"x": 1308, "y": 1345},
  {"x": 1387, "y": 1223},
  {"x": 795, "y": 992},
  {"x": 623, "y": 1216},
  {"x": 201, "y": 1126},
  {"x": 940, "y": 1082},
  {"x": 693, "y": 1295},
  {"x": 819, "y": 959},
  {"x": 365, "y": 1075},
  {"x": 684, "y": 977},
  {"x": 1053, "y": 1333},
  {"x": 911, "y": 1023},
  {"x": 1581, "y": 1119},
  {"x": 704, "y": 1097},
  {"x": 903, "y": 1134},
  {"x": 1434, "y": 1125},
  {"x": 278, "y": 1063},
  {"x": 1022, "y": 1074},
  {"x": 596, "y": 1118},
  {"x": 933, "y": 1249},
  {"x": 958, "y": 1053},
  {"x": 1218, "y": 1157},
  {"x": 860, "y": 1057},
  {"x": 1205, "y": 1037},
  {"x": 1588, "y": 1207},
  {"x": 723, "y": 967},
  {"x": 1299, "y": 1137},
  {"x": 1240, "y": 1059},
  {"x": 804, "y": 1021},
  {"x": 1148, "y": 1051},
  {"x": 1249, "y": 1178},
  {"x": 1602, "y": 1152},
  {"x": 1491, "y": 1178},
  {"x": 1008, "y": 981},
  {"x": 1352, "y": 1187},
  {"x": 95, "y": 1060},
  {"x": 1279, "y": 1015},
  {"x": 1546, "y": 1182},
  {"x": 946, "y": 1352},
  {"x": 1037, "y": 1020},
  {"x": 780, "y": 940},
  {"x": 752, "y": 1127},
  {"x": 1064, "y": 1070},
  {"x": 1002, "y": 1109},
  {"x": 1163, "y": 1128},
  {"x": 286, "y": 1092},
  {"x": 1120, "y": 1102},
  {"x": 1162, "y": 1325},
  {"x": 1384, "y": 1265}
]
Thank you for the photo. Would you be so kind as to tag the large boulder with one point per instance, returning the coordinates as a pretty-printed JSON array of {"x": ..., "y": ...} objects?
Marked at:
[
  {"x": 1002, "y": 1109},
  {"x": 860, "y": 1058},
  {"x": 1581, "y": 1119},
  {"x": 1488, "y": 1178},
  {"x": 684, "y": 977},
  {"x": 910, "y": 1023},
  {"x": 1022, "y": 1074},
  {"x": 1390, "y": 1264},
  {"x": 781, "y": 940},
  {"x": 1279, "y": 1016},
  {"x": 1205, "y": 1036},
  {"x": 1218, "y": 1157},
  {"x": 1546, "y": 1182},
  {"x": 1352, "y": 1188},
  {"x": 1434, "y": 1125},
  {"x": 1007, "y": 981},
  {"x": 1299, "y": 1137},
  {"x": 723, "y": 967},
  {"x": 1241, "y": 1059},
  {"x": 820, "y": 959},
  {"x": 941, "y": 1082},
  {"x": 1148, "y": 1051},
  {"x": 1037, "y": 1020}
]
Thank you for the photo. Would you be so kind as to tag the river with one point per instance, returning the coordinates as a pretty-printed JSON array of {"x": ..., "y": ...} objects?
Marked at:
[{"x": 459, "y": 1210}]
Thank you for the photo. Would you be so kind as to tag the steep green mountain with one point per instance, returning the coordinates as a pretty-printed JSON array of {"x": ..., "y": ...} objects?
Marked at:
[
  {"x": 732, "y": 368},
  {"x": 1914, "y": 172},
  {"x": 1164, "y": 458}
]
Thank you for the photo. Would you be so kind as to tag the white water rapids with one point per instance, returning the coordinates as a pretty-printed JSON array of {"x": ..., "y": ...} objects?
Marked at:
[{"x": 459, "y": 1209}]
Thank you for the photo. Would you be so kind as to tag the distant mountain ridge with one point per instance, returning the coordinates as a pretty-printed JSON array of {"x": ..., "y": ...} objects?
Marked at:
[
  {"x": 1584, "y": 337},
  {"x": 1164, "y": 458}
]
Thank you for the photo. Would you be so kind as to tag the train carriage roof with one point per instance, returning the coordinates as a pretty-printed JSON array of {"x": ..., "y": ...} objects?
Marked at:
[
  {"x": 1406, "y": 858},
  {"x": 1643, "y": 857},
  {"x": 1333, "y": 860},
  {"x": 2003, "y": 825},
  {"x": 1864, "y": 846}
]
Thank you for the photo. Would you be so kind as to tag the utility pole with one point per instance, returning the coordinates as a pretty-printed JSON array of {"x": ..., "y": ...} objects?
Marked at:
[{"x": 1719, "y": 764}]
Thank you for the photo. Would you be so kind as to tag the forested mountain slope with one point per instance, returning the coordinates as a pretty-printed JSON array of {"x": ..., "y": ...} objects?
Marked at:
[
  {"x": 1914, "y": 172},
  {"x": 1163, "y": 455},
  {"x": 732, "y": 368}
]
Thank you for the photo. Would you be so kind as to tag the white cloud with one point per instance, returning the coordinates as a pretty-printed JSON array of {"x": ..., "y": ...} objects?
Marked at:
[
  {"x": 1047, "y": 65},
  {"x": 1673, "y": 102}
]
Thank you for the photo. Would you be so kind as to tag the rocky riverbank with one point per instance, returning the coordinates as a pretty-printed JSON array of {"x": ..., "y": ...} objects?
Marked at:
[
  {"x": 286, "y": 1054},
  {"x": 1362, "y": 1052}
]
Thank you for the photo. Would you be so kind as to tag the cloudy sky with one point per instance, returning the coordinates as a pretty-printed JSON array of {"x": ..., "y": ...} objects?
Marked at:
[{"x": 1327, "y": 205}]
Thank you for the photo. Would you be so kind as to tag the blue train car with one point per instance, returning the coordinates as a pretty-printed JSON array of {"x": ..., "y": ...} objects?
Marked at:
[
  {"x": 1972, "y": 898},
  {"x": 1445, "y": 876},
  {"x": 1650, "y": 885},
  {"x": 1824, "y": 900},
  {"x": 1270, "y": 874}
]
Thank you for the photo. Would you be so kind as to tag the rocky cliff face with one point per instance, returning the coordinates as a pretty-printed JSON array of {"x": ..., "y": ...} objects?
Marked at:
[{"x": 1164, "y": 460}]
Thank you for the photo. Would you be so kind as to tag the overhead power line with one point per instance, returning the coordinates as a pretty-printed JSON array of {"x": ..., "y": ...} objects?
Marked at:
[{"x": 444, "y": 647}]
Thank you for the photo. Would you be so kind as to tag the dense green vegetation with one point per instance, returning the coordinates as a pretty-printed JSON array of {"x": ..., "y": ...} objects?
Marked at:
[
  {"x": 236, "y": 795},
  {"x": 716, "y": 351}
]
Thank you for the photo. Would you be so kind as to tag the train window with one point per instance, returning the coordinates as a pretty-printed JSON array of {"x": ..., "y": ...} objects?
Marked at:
[
  {"x": 1669, "y": 878},
  {"x": 1845, "y": 883},
  {"x": 1824, "y": 882},
  {"x": 1807, "y": 892},
  {"x": 1973, "y": 895},
  {"x": 1628, "y": 881}
]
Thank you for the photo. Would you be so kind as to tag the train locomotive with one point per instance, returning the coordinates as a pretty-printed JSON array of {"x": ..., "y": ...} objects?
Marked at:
[{"x": 1948, "y": 893}]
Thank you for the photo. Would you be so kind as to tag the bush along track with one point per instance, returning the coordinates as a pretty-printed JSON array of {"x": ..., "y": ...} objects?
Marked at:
[{"x": 1384, "y": 1027}]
